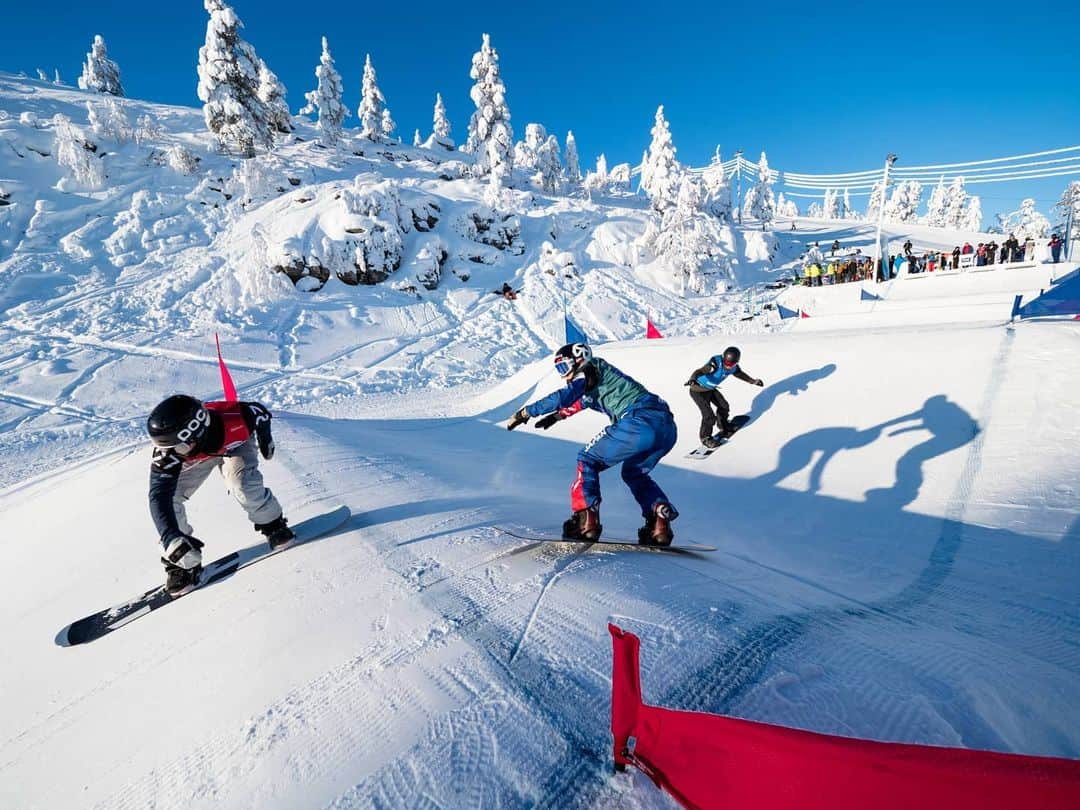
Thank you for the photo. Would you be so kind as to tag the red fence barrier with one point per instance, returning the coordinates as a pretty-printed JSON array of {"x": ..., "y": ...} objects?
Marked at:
[{"x": 707, "y": 760}]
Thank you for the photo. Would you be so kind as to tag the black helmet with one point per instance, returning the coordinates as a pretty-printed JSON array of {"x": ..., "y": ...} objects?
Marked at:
[
  {"x": 571, "y": 358},
  {"x": 178, "y": 422},
  {"x": 731, "y": 356}
]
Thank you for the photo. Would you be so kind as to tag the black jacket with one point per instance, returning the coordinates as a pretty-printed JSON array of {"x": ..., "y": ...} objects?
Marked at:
[{"x": 166, "y": 464}]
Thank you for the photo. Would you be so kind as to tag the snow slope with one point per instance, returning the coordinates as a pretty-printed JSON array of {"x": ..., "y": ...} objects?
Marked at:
[{"x": 897, "y": 527}]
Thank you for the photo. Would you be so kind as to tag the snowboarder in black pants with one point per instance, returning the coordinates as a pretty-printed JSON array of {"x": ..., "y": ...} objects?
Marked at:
[
  {"x": 191, "y": 439},
  {"x": 705, "y": 391}
]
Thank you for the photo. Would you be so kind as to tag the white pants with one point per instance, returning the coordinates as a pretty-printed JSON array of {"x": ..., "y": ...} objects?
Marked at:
[{"x": 242, "y": 479}]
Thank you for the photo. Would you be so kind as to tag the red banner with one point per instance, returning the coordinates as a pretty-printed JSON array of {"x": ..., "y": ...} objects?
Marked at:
[
  {"x": 707, "y": 761},
  {"x": 226, "y": 379},
  {"x": 651, "y": 331}
]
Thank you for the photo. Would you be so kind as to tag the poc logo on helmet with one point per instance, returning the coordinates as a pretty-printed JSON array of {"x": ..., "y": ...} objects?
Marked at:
[{"x": 195, "y": 427}]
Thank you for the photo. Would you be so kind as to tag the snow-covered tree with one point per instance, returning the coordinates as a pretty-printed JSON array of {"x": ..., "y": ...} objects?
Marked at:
[
  {"x": 619, "y": 177},
  {"x": 181, "y": 159},
  {"x": 955, "y": 204},
  {"x": 42, "y": 75},
  {"x": 660, "y": 171},
  {"x": 491, "y": 137},
  {"x": 387, "y": 125},
  {"x": 573, "y": 164},
  {"x": 271, "y": 93},
  {"x": 937, "y": 208},
  {"x": 440, "y": 125},
  {"x": 100, "y": 73},
  {"x": 873, "y": 207},
  {"x": 526, "y": 152},
  {"x": 1025, "y": 222},
  {"x": 597, "y": 180},
  {"x": 229, "y": 84},
  {"x": 814, "y": 210},
  {"x": 717, "y": 200},
  {"x": 688, "y": 240},
  {"x": 372, "y": 104},
  {"x": 56, "y": 77},
  {"x": 759, "y": 203},
  {"x": 786, "y": 208},
  {"x": 416, "y": 141},
  {"x": 903, "y": 205},
  {"x": 147, "y": 129},
  {"x": 1070, "y": 201},
  {"x": 77, "y": 154},
  {"x": 325, "y": 99},
  {"x": 830, "y": 205},
  {"x": 548, "y": 166},
  {"x": 973, "y": 214},
  {"x": 108, "y": 120}
]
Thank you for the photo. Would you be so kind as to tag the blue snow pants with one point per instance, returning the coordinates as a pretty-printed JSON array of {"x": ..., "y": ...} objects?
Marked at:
[{"x": 639, "y": 440}]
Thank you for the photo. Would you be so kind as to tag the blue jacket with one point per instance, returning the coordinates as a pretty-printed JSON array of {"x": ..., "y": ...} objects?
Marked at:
[
  {"x": 602, "y": 388},
  {"x": 713, "y": 379}
]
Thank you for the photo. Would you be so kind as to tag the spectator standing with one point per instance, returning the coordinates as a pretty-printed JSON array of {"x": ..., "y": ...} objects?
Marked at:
[
  {"x": 991, "y": 251},
  {"x": 980, "y": 255},
  {"x": 967, "y": 248},
  {"x": 955, "y": 257},
  {"x": 1029, "y": 250},
  {"x": 1055, "y": 248}
]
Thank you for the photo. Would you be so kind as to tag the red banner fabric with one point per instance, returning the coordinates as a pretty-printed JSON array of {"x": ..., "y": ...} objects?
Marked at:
[
  {"x": 651, "y": 331},
  {"x": 226, "y": 379},
  {"x": 711, "y": 761},
  {"x": 803, "y": 313}
]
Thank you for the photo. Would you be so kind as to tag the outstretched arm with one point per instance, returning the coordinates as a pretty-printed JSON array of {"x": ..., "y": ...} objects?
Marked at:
[
  {"x": 708, "y": 368},
  {"x": 564, "y": 402},
  {"x": 742, "y": 375}
]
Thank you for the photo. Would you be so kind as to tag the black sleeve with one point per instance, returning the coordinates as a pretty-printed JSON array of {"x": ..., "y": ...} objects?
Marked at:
[
  {"x": 742, "y": 375},
  {"x": 164, "y": 474},
  {"x": 257, "y": 418},
  {"x": 592, "y": 377}
]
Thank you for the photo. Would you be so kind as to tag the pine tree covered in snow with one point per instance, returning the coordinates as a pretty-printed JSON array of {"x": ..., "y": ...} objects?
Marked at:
[
  {"x": 229, "y": 83},
  {"x": 830, "y": 206},
  {"x": 660, "y": 170},
  {"x": 597, "y": 180},
  {"x": 688, "y": 238},
  {"x": 973, "y": 214},
  {"x": 108, "y": 120},
  {"x": 527, "y": 152},
  {"x": 759, "y": 203},
  {"x": 372, "y": 105},
  {"x": 814, "y": 210},
  {"x": 955, "y": 203},
  {"x": 416, "y": 140},
  {"x": 573, "y": 164},
  {"x": 387, "y": 125},
  {"x": 937, "y": 208},
  {"x": 717, "y": 189},
  {"x": 325, "y": 99},
  {"x": 877, "y": 197},
  {"x": 1025, "y": 222},
  {"x": 77, "y": 154},
  {"x": 1070, "y": 200},
  {"x": 100, "y": 73},
  {"x": 440, "y": 125},
  {"x": 491, "y": 137},
  {"x": 548, "y": 166},
  {"x": 786, "y": 208},
  {"x": 271, "y": 93},
  {"x": 903, "y": 205}
]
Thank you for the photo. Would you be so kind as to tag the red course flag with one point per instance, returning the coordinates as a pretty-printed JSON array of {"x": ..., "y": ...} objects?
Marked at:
[
  {"x": 651, "y": 332},
  {"x": 711, "y": 761},
  {"x": 226, "y": 379},
  {"x": 803, "y": 313}
]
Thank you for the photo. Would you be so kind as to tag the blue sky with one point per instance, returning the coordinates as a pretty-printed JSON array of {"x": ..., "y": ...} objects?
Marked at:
[{"x": 822, "y": 87}]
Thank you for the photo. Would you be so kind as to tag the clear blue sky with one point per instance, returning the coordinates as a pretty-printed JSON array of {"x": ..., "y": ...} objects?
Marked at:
[{"x": 822, "y": 87}]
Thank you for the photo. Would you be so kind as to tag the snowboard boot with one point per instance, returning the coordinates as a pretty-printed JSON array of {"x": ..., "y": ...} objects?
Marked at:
[
  {"x": 583, "y": 525},
  {"x": 657, "y": 529},
  {"x": 277, "y": 532},
  {"x": 710, "y": 442},
  {"x": 179, "y": 581},
  {"x": 726, "y": 430}
]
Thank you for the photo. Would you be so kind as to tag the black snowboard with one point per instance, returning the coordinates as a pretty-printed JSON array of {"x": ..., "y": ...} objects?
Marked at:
[
  {"x": 737, "y": 423},
  {"x": 98, "y": 624},
  {"x": 625, "y": 545}
]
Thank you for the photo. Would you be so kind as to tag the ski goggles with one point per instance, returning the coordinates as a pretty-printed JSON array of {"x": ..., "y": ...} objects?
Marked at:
[
  {"x": 730, "y": 364},
  {"x": 564, "y": 366}
]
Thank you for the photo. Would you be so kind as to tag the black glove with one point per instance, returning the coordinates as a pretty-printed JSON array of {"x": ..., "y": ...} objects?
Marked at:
[
  {"x": 548, "y": 420},
  {"x": 266, "y": 443},
  {"x": 519, "y": 418},
  {"x": 759, "y": 382},
  {"x": 688, "y": 382}
]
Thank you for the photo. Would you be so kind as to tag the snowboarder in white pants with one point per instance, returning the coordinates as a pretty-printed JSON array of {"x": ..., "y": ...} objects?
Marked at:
[{"x": 191, "y": 439}]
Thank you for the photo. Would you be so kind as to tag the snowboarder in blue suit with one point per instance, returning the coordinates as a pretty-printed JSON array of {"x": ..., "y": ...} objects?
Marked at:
[
  {"x": 705, "y": 391},
  {"x": 642, "y": 431}
]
